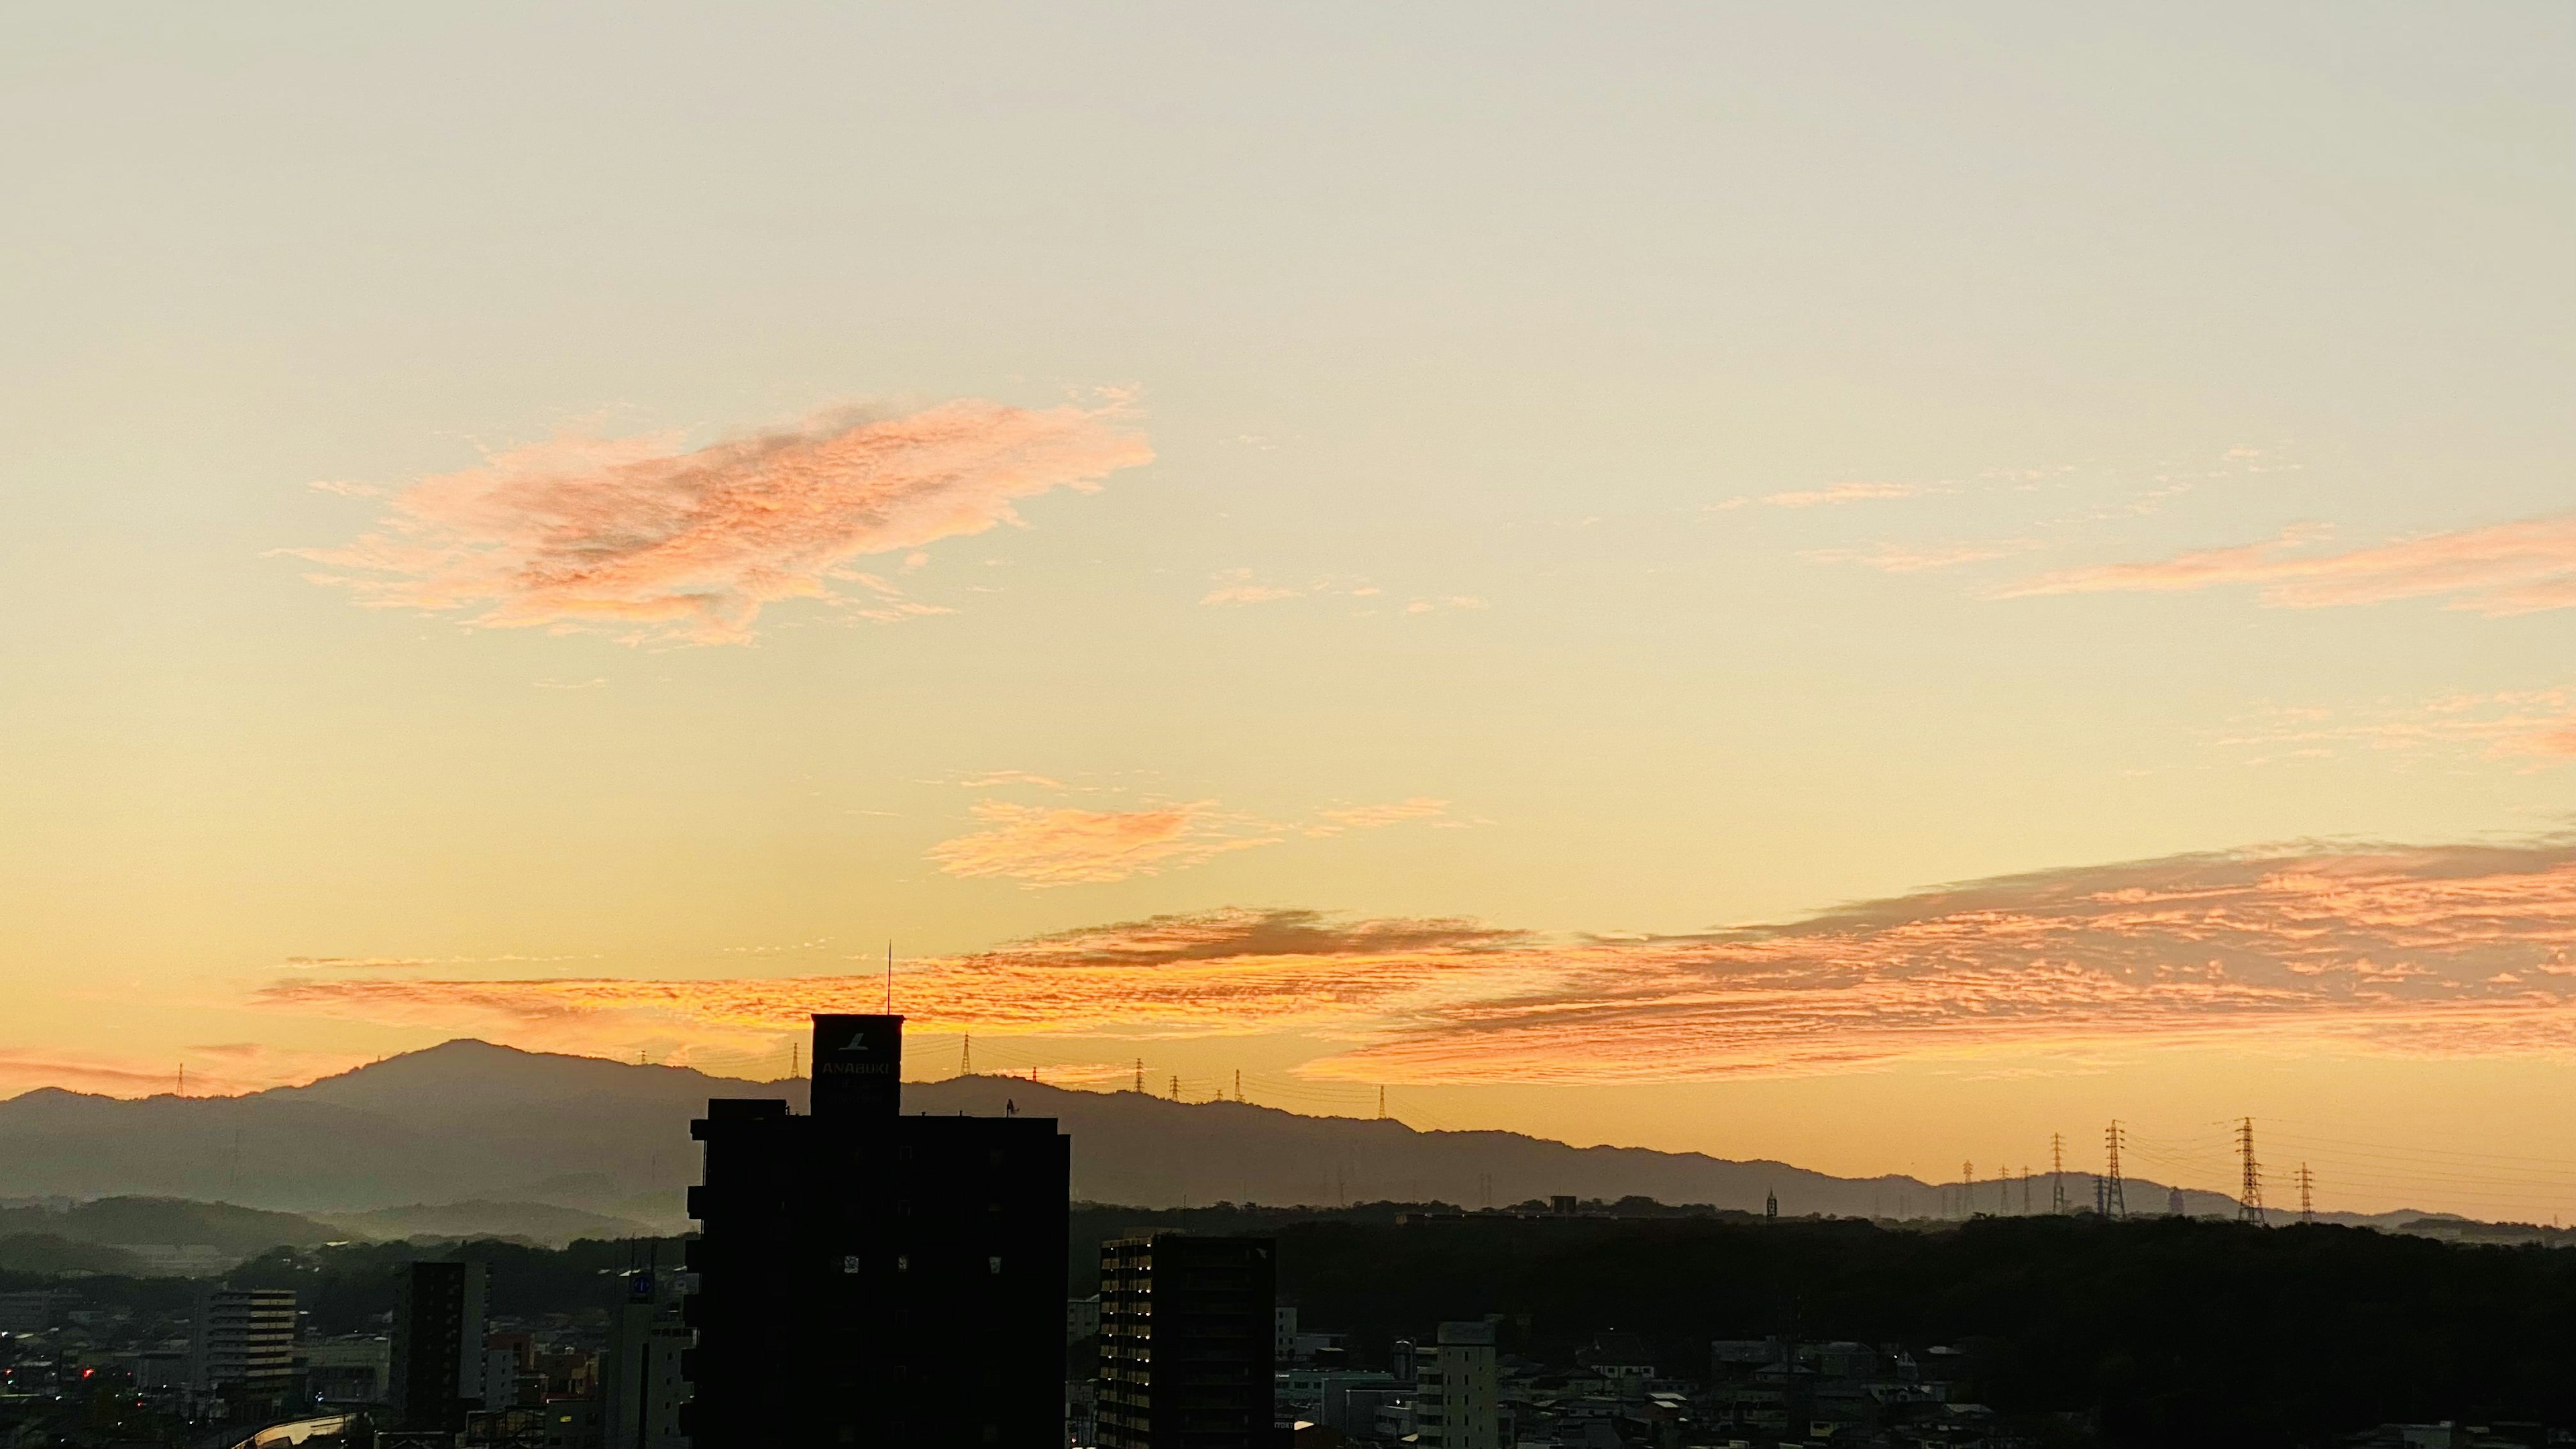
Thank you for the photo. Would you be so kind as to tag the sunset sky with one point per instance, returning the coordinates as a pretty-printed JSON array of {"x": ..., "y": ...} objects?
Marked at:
[{"x": 1847, "y": 584}]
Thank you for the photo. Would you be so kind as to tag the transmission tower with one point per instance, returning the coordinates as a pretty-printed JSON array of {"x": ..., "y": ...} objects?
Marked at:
[
  {"x": 2249, "y": 1196},
  {"x": 2057, "y": 1172},
  {"x": 1140, "y": 1076},
  {"x": 2115, "y": 1203},
  {"x": 1176, "y": 1086},
  {"x": 966, "y": 1056},
  {"x": 1967, "y": 1190},
  {"x": 2307, "y": 1195}
]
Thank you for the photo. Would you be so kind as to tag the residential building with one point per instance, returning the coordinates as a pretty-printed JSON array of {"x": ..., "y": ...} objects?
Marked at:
[
  {"x": 1457, "y": 1403},
  {"x": 1187, "y": 1329},
  {"x": 642, "y": 1382},
  {"x": 439, "y": 1326},
  {"x": 870, "y": 1278},
  {"x": 241, "y": 1343}
]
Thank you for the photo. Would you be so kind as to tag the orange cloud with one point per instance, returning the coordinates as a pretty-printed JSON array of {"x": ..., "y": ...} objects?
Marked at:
[
  {"x": 1370, "y": 817},
  {"x": 2447, "y": 951},
  {"x": 1051, "y": 847},
  {"x": 644, "y": 540},
  {"x": 219, "y": 1069},
  {"x": 2509, "y": 568}
]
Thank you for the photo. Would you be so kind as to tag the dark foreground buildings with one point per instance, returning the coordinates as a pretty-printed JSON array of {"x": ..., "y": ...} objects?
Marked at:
[
  {"x": 870, "y": 1278},
  {"x": 438, "y": 1344},
  {"x": 1187, "y": 1342}
]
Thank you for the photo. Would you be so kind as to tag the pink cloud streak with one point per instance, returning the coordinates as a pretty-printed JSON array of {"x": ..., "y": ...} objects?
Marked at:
[
  {"x": 2508, "y": 568},
  {"x": 639, "y": 538}
]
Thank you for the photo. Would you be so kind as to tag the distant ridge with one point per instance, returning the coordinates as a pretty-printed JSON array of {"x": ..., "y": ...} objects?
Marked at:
[{"x": 467, "y": 1127}]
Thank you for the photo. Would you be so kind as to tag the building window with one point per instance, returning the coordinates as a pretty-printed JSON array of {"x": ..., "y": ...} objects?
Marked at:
[{"x": 850, "y": 1264}]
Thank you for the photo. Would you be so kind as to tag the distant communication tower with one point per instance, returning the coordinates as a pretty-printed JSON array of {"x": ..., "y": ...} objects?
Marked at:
[
  {"x": 2057, "y": 1172},
  {"x": 2307, "y": 1195},
  {"x": 2249, "y": 1194},
  {"x": 1967, "y": 1190},
  {"x": 2115, "y": 1202}
]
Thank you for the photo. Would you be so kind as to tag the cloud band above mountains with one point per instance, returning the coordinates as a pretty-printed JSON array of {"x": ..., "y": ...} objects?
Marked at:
[
  {"x": 2442, "y": 951},
  {"x": 640, "y": 538}
]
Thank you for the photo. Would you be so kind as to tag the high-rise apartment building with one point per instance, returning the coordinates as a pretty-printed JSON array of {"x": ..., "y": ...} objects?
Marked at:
[
  {"x": 241, "y": 1343},
  {"x": 1457, "y": 1400},
  {"x": 870, "y": 1278},
  {"x": 1187, "y": 1338},
  {"x": 439, "y": 1326}
]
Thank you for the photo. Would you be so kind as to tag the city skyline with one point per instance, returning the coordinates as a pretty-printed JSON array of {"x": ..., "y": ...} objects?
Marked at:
[{"x": 1855, "y": 590}]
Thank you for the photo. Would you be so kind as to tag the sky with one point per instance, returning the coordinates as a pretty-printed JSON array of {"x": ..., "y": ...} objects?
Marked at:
[{"x": 1858, "y": 586}]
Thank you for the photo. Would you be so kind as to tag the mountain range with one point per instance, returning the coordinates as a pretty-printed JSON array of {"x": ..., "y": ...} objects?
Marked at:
[{"x": 468, "y": 1138}]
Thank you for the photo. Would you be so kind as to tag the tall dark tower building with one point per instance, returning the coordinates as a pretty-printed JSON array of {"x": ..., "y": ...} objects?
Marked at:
[
  {"x": 438, "y": 1344},
  {"x": 1186, "y": 1342},
  {"x": 870, "y": 1278}
]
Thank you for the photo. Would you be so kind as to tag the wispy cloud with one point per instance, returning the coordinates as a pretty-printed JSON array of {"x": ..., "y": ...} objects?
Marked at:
[
  {"x": 1370, "y": 817},
  {"x": 1039, "y": 846},
  {"x": 1448, "y": 601},
  {"x": 1832, "y": 493},
  {"x": 1897, "y": 558},
  {"x": 2449, "y": 951},
  {"x": 2507, "y": 568},
  {"x": 1249, "y": 594},
  {"x": 650, "y": 541},
  {"x": 2537, "y": 725}
]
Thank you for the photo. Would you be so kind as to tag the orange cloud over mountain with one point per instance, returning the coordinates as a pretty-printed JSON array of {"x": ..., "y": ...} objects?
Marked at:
[{"x": 2444, "y": 951}]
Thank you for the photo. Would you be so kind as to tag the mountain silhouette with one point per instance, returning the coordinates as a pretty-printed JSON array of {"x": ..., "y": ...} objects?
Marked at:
[{"x": 471, "y": 1123}]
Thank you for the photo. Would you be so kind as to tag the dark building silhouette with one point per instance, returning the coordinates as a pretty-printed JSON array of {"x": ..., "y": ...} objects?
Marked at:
[
  {"x": 1186, "y": 1342},
  {"x": 438, "y": 1345},
  {"x": 870, "y": 1278}
]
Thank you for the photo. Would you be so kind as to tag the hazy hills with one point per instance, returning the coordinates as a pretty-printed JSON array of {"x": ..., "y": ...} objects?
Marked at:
[{"x": 504, "y": 1142}]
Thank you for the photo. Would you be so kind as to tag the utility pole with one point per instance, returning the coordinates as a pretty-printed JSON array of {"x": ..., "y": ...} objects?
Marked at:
[
  {"x": 2249, "y": 1194},
  {"x": 2307, "y": 1195},
  {"x": 2115, "y": 1203},
  {"x": 2057, "y": 1172}
]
